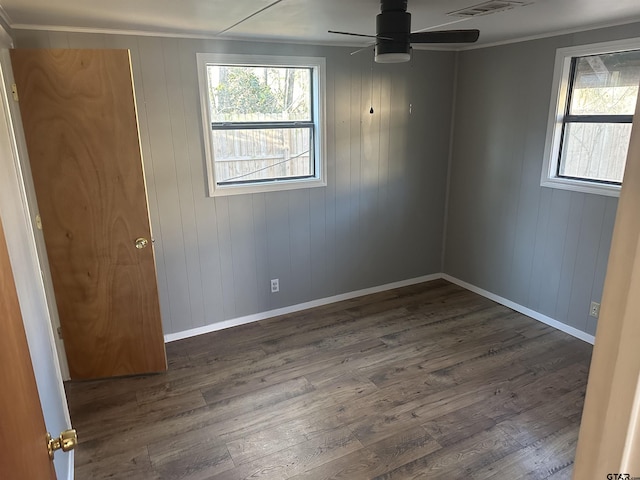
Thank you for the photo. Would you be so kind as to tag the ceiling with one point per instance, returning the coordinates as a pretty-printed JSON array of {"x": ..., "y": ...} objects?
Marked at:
[{"x": 307, "y": 21}]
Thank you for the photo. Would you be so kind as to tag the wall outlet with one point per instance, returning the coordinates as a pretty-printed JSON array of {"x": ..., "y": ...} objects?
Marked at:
[
  {"x": 275, "y": 285},
  {"x": 594, "y": 309}
]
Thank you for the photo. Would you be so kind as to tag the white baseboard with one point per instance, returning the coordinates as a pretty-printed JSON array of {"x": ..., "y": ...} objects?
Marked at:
[
  {"x": 234, "y": 322},
  {"x": 574, "y": 332}
]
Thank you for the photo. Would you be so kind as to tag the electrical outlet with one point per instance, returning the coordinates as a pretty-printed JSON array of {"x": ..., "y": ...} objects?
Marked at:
[
  {"x": 594, "y": 310},
  {"x": 275, "y": 285}
]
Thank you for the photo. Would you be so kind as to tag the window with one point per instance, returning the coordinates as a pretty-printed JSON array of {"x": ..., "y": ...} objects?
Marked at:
[
  {"x": 263, "y": 122},
  {"x": 591, "y": 116}
]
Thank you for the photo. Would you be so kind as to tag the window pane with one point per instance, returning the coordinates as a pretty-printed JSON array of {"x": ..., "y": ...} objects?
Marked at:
[
  {"x": 248, "y": 155},
  {"x": 259, "y": 94},
  {"x": 606, "y": 84},
  {"x": 595, "y": 151}
]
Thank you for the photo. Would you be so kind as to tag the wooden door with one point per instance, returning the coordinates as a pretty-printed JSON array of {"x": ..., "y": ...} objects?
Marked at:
[
  {"x": 23, "y": 445},
  {"x": 79, "y": 117}
]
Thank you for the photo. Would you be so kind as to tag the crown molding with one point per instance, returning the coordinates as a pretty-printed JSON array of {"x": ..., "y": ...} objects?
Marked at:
[
  {"x": 558, "y": 33},
  {"x": 4, "y": 16},
  {"x": 226, "y": 38}
]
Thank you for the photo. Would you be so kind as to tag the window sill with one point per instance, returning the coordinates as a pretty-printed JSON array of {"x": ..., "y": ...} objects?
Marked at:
[
  {"x": 276, "y": 186},
  {"x": 581, "y": 186}
]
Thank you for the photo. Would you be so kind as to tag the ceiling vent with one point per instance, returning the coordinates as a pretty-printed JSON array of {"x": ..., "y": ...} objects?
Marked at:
[{"x": 487, "y": 8}]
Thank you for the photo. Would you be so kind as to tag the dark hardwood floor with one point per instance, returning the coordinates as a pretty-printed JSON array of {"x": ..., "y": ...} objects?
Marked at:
[{"x": 429, "y": 381}]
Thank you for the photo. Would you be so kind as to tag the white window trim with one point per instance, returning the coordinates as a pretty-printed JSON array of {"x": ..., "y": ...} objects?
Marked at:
[
  {"x": 318, "y": 65},
  {"x": 560, "y": 91}
]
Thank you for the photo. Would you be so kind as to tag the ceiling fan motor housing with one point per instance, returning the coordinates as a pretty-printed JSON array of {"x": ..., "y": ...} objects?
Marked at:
[{"x": 393, "y": 22}]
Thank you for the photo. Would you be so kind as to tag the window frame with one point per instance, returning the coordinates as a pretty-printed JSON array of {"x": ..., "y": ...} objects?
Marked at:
[
  {"x": 316, "y": 125},
  {"x": 558, "y": 113}
]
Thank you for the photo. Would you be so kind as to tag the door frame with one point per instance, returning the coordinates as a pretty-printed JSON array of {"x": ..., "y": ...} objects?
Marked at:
[
  {"x": 18, "y": 221},
  {"x": 15, "y": 122}
]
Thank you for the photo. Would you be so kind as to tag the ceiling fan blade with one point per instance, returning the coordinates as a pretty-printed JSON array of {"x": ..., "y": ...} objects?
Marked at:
[
  {"x": 352, "y": 34},
  {"x": 360, "y": 35},
  {"x": 446, "y": 36},
  {"x": 362, "y": 49}
]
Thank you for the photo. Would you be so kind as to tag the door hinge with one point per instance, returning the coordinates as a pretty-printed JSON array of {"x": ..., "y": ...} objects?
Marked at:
[
  {"x": 14, "y": 90},
  {"x": 59, "y": 330}
]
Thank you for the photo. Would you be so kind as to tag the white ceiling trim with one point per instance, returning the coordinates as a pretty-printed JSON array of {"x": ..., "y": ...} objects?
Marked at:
[
  {"x": 199, "y": 36},
  {"x": 204, "y": 36},
  {"x": 5, "y": 16},
  {"x": 113, "y": 31},
  {"x": 557, "y": 33}
]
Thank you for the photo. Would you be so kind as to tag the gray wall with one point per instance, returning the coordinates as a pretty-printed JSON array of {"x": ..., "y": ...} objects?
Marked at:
[
  {"x": 543, "y": 248},
  {"x": 379, "y": 220}
]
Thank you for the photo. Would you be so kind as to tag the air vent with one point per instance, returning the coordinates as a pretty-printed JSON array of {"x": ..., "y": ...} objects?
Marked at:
[{"x": 487, "y": 8}]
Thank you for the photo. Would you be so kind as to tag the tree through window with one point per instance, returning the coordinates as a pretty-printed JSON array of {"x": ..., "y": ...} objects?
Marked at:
[
  {"x": 594, "y": 101},
  {"x": 263, "y": 122},
  {"x": 597, "y": 123}
]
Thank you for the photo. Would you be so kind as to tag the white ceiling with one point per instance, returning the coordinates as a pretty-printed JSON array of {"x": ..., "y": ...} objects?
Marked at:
[{"x": 308, "y": 20}]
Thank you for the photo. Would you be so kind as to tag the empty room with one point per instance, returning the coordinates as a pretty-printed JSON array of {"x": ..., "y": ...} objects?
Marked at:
[{"x": 296, "y": 239}]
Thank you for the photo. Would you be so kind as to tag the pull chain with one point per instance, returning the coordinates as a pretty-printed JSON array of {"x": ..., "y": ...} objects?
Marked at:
[{"x": 371, "y": 93}]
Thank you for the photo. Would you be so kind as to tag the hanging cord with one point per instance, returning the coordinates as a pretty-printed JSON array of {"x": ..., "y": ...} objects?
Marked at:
[
  {"x": 411, "y": 76},
  {"x": 371, "y": 93}
]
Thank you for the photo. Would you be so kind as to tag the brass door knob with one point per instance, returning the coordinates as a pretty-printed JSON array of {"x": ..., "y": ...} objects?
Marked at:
[
  {"x": 141, "y": 243},
  {"x": 66, "y": 442}
]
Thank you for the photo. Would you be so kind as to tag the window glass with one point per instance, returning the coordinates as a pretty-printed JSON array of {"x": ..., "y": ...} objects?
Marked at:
[
  {"x": 252, "y": 155},
  {"x": 597, "y": 127},
  {"x": 259, "y": 94},
  {"x": 606, "y": 84},
  {"x": 263, "y": 121},
  {"x": 595, "y": 151}
]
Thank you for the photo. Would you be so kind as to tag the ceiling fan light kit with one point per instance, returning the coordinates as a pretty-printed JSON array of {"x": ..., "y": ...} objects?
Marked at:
[{"x": 392, "y": 57}]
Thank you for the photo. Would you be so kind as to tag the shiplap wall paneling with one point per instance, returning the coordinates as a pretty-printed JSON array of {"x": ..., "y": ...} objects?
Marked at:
[
  {"x": 165, "y": 144},
  {"x": 343, "y": 253},
  {"x": 428, "y": 116},
  {"x": 554, "y": 245},
  {"x": 603, "y": 257},
  {"x": 207, "y": 241},
  {"x": 379, "y": 219},
  {"x": 542, "y": 248}
]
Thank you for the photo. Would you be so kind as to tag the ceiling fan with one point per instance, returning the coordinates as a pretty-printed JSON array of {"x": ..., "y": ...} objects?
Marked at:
[{"x": 394, "y": 38}]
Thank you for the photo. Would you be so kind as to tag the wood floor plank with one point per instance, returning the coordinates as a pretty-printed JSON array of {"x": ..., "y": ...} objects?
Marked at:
[
  {"x": 118, "y": 421},
  {"x": 537, "y": 461},
  {"x": 529, "y": 426},
  {"x": 288, "y": 368},
  {"x": 456, "y": 426},
  {"x": 458, "y": 460},
  {"x": 286, "y": 463},
  {"x": 360, "y": 464},
  {"x": 251, "y": 447},
  {"x": 426, "y": 381},
  {"x": 200, "y": 462},
  {"x": 403, "y": 447},
  {"x": 373, "y": 426},
  {"x": 133, "y": 464}
]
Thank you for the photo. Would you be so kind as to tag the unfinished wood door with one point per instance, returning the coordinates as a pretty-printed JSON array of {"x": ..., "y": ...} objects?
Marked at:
[
  {"x": 23, "y": 445},
  {"x": 80, "y": 123}
]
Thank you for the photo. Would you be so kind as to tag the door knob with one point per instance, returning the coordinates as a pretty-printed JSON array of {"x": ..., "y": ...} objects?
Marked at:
[
  {"x": 66, "y": 441},
  {"x": 141, "y": 243}
]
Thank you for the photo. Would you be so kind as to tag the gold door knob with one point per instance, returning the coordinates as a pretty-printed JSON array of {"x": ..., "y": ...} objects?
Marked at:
[
  {"x": 141, "y": 243},
  {"x": 66, "y": 441}
]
